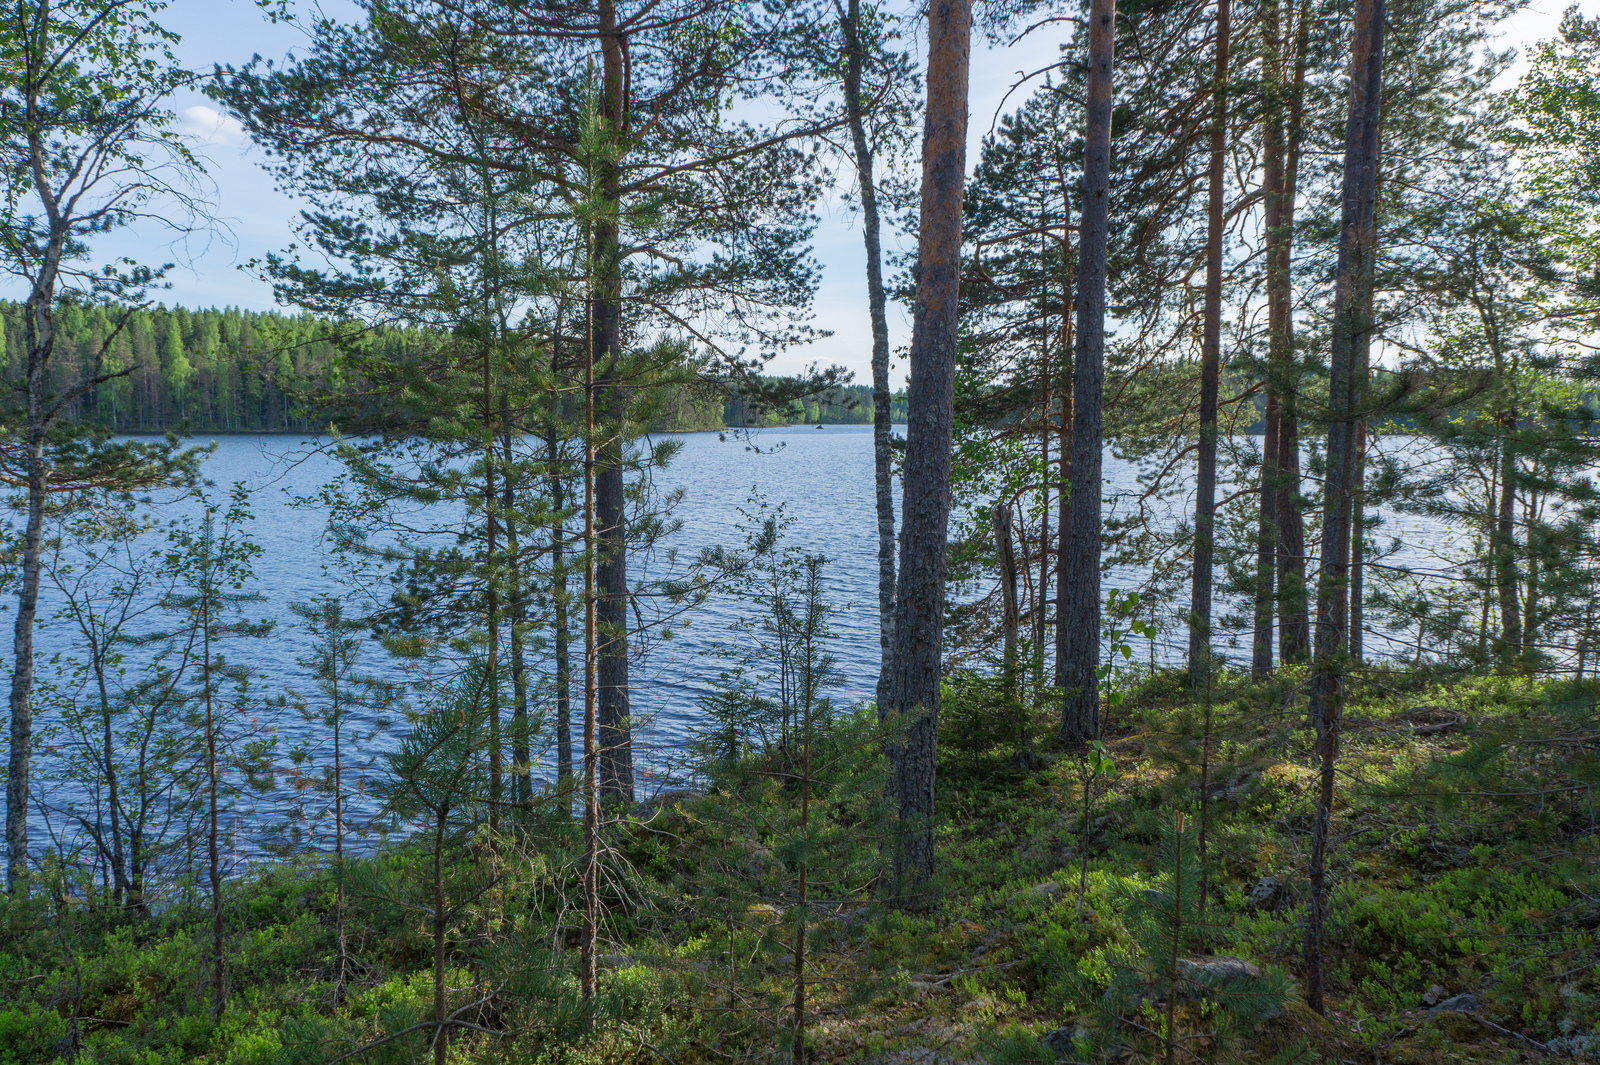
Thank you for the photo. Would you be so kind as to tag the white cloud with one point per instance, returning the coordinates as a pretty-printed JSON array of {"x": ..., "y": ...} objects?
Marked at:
[{"x": 211, "y": 126}]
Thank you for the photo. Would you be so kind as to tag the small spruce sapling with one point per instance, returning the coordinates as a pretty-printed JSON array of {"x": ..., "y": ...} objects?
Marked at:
[
  {"x": 794, "y": 807},
  {"x": 438, "y": 785},
  {"x": 1157, "y": 990},
  {"x": 341, "y": 690},
  {"x": 1094, "y": 766}
]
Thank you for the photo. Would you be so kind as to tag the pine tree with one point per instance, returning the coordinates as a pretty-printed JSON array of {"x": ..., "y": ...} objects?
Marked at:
[{"x": 212, "y": 561}]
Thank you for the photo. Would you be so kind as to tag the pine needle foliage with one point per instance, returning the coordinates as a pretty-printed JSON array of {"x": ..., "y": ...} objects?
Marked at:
[{"x": 1170, "y": 994}]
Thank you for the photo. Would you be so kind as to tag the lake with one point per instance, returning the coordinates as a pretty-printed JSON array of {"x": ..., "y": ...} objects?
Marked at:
[{"x": 821, "y": 477}]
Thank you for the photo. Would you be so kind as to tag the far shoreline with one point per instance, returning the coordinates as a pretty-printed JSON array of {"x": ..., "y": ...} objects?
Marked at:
[{"x": 205, "y": 433}]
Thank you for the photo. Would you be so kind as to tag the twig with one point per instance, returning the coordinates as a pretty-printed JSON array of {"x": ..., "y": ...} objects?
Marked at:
[
  {"x": 943, "y": 980},
  {"x": 651, "y": 1047},
  {"x": 1515, "y": 1037}
]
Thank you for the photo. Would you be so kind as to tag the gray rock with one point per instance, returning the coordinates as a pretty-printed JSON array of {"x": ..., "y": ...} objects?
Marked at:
[
  {"x": 1048, "y": 890},
  {"x": 1062, "y": 1042},
  {"x": 665, "y": 799},
  {"x": 1106, "y": 823},
  {"x": 1432, "y": 995},
  {"x": 1463, "y": 1003},
  {"x": 1029, "y": 761},
  {"x": 1265, "y": 894},
  {"x": 1220, "y": 967},
  {"x": 923, "y": 1056}
]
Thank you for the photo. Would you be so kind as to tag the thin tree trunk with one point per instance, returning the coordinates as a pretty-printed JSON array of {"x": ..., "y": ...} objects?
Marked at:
[
  {"x": 559, "y": 605},
  {"x": 1207, "y": 722},
  {"x": 119, "y": 869},
  {"x": 877, "y": 304},
  {"x": 136, "y": 826},
  {"x": 521, "y": 753},
  {"x": 1041, "y": 595},
  {"x": 1484, "y": 601},
  {"x": 1358, "y": 568},
  {"x": 39, "y": 335},
  {"x": 1530, "y": 598},
  {"x": 1080, "y": 705},
  {"x": 441, "y": 1004},
  {"x": 341, "y": 959},
  {"x": 219, "y": 971},
  {"x": 591, "y": 697},
  {"x": 1294, "y": 626},
  {"x": 913, "y": 690},
  {"x": 1351, "y": 324},
  {"x": 1505, "y": 545},
  {"x": 1063, "y": 488},
  {"x": 1585, "y": 638},
  {"x": 1205, "y": 505},
  {"x": 615, "y": 730},
  {"x": 1266, "y": 542},
  {"x": 799, "y": 1048},
  {"x": 1005, "y": 556},
  {"x": 492, "y": 607}
]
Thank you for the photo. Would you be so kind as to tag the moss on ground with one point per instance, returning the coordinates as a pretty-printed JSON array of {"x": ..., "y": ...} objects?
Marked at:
[{"x": 1464, "y": 863}]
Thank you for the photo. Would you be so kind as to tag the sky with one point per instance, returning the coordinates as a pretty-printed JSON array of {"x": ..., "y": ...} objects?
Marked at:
[{"x": 254, "y": 217}]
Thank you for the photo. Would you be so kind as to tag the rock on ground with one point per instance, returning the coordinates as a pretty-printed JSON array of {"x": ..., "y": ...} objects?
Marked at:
[{"x": 1466, "y": 1002}]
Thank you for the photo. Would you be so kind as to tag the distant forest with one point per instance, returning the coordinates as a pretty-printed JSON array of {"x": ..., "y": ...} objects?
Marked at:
[{"x": 232, "y": 370}]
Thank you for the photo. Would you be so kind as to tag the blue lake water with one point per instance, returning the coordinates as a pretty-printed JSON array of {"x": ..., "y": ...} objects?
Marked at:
[{"x": 823, "y": 479}]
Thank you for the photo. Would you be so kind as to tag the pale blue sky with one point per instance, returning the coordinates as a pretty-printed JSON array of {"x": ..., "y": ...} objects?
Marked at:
[{"x": 257, "y": 218}]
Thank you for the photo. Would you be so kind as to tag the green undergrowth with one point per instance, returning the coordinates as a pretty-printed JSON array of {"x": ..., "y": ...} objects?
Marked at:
[{"x": 1465, "y": 843}]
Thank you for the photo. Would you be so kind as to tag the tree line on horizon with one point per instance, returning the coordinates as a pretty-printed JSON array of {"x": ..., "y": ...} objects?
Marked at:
[{"x": 232, "y": 370}]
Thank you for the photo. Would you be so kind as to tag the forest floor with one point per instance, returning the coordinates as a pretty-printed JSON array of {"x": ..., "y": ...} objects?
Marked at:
[{"x": 1462, "y": 864}]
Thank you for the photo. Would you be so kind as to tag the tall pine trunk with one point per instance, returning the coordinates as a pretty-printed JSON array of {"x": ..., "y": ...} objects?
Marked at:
[
  {"x": 1294, "y": 626},
  {"x": 1205, "y": 504},
  {"x": 1351, "y": 326},
  {"x": 1270, "y": 488},
  {"x": 877, "y": 303},
  {"x": 1042, "y": 595},
  {"x": 615, "y": 730},
  {"x": 1266, "y": 541},
  {"x": 1080, "y": 702},
  {"x": 913, "y": 688}
]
